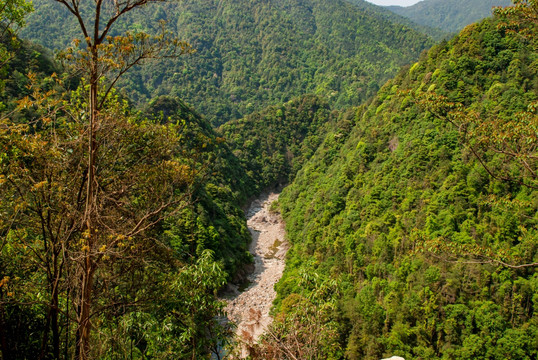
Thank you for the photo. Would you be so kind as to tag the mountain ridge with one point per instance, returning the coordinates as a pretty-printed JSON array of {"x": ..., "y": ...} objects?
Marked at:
[
  {"x": 433, "y": 31},
  {"x": 252, "y": 54},
  {"x": 448, "y": 15}
]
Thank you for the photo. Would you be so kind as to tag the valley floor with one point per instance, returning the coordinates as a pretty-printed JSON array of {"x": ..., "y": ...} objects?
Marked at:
[{"x": 250, "y": 308}]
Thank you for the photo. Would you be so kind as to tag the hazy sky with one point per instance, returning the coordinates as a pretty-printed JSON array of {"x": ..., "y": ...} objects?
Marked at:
[{"x": 394, "y": 2}]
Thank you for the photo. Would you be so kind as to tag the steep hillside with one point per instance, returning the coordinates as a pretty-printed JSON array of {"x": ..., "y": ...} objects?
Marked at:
[
  {"x": 274, "y": 143},
  {"x": 25, "y": 57},
  {"x": 254, "y": 53},
  {"x": 448, "y": 15},
  {"x": 402, "y": 242},
  {"x": 214, "y": 219}
]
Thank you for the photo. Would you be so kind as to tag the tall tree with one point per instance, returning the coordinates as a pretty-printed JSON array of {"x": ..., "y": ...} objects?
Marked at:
[{"x": 102, "y": 56}]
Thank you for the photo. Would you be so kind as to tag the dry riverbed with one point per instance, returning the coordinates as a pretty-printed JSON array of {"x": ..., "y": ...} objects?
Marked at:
[{"x": 250, "y": 308}]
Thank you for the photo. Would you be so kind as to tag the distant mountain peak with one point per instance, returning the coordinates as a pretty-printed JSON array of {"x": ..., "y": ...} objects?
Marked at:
[{"x": 448, "y": 15}]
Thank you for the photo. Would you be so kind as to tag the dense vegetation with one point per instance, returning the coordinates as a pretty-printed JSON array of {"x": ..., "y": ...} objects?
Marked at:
[
  {"x": 213, "y": 219},
  {"x": 424, "y": 250},
  {"x": 170, "y": 229},
  {"x": 412, "y": 218},
  {"x": 273, "y": 144},
  {"x": 448, "y": 15},
  {"x": 433, "y": 31},
  {"x": 251, "y": 54}
]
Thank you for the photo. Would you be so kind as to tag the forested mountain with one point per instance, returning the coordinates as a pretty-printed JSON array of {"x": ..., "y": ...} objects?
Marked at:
[
  {"x": 273, "y": 144},
  {"x": 385, "y": 11},
  {"x": 253, "y": 53},
  {"x": 414, "y": 225},
  {"x": 412, "y": 218},
  {"x": 448, "y": 15},
  {"x": 166, "y": 152}
]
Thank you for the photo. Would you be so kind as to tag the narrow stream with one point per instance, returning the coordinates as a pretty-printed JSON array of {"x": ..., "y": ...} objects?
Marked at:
[{"x": 250, "y": 308}]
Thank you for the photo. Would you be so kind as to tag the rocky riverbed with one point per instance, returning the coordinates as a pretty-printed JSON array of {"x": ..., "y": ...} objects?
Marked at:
[{"x": 250, "y": 308}]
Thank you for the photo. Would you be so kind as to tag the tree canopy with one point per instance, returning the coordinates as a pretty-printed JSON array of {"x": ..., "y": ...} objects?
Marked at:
[{"x": 420, "y": 220}]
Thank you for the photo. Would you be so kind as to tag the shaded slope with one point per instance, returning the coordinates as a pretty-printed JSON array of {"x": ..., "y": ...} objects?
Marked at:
[
  {"x": 215, "y": 219},
  {"x": 26, "y": 57},
  {"x": 274, "y": 143}
]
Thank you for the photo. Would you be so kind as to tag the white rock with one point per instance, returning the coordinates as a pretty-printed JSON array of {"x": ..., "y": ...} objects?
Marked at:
[
  {"x": 265, "y": 228},
  {"x": 394, "y": 358}
]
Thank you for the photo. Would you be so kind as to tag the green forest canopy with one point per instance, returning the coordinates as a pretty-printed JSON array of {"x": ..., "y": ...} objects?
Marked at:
[
  {"x": 433, "y": 257},
  {"x": 251, "y": 54},
  {"x": 402, "y": 240},
  {"x": 448, "y": 15}
]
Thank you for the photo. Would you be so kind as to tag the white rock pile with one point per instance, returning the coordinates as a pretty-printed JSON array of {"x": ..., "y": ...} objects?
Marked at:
[{"x": 250, "y": 309}]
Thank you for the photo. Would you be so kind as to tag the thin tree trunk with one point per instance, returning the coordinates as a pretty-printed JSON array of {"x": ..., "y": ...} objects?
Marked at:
[
  {"x": 45, "y": 340},
  {"x": 55, "y": 335},
  {"x": 66, "y": 345},
  {"x": 85, "y": 323},
  {"x": 54, "y": 322},
  {"x": 84, "y": 330},
  {"x": 78, "y": 333},
  {"x": 52, "y": 315}
]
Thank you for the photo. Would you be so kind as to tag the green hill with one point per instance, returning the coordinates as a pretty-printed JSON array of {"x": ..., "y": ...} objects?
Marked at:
[
  {"x": 448, "y": 15},
  {"x": 412, "y": 219},
  {"x": 402, "y": 242},
  {"x": 274, "y": 143},
  {"x": 254, "y": 53},
  {"x": 385, "y": 11}
]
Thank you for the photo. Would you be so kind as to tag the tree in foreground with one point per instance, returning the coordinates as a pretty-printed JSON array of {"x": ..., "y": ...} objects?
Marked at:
[
  {"x": 103, "y": 57},
  {"x": 85, "y": 184}
]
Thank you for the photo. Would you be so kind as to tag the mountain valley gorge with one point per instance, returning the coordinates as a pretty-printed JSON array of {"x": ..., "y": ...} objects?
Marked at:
[{"x": 283, "y": 179}]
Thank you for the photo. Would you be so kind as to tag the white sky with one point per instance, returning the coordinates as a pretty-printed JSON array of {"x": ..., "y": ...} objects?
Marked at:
[{"x": 394, "y": 2}]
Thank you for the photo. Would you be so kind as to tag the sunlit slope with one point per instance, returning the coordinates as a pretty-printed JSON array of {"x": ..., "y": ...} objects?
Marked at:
[
  {"x": 424, "y": 245},
  {"x": 448, "y": 15}
]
